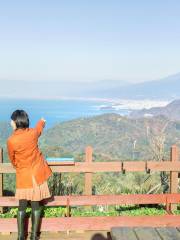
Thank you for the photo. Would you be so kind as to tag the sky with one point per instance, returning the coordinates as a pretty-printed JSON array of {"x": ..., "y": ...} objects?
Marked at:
[{"x": 85, "y": 41}]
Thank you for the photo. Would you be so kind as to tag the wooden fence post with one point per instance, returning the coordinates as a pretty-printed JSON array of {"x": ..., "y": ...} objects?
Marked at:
[
  {"x": 88, "y": 176},
  {"x": 174, "y": 175},
  {"x": 1, "y": 178}
]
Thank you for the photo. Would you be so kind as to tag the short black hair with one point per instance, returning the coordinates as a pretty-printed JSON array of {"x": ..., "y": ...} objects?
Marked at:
[{"x": 21, "y": 119}]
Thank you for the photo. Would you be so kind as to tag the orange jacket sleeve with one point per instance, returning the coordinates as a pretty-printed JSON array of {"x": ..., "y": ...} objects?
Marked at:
[
  {"x": 39, "y": 127},
  {"x": 11, "y": 153}
]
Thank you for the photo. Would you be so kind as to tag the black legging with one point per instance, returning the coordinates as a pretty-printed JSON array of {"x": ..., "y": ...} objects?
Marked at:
[{"x": 23, "y": 204}]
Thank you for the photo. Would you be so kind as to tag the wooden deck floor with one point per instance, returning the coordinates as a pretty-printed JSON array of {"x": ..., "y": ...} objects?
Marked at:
[
  {"x": 117, "y": 233},
  {"x": 145, "y": 233},
  {"x": 84, "y": 235}
]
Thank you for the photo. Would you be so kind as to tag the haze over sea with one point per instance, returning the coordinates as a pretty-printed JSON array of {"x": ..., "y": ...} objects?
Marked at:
[{"x": 56, "y": 111}]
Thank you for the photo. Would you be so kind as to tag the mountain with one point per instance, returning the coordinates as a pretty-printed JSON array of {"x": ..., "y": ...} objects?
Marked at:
[
  {"x": 171, "y": 111},
  {"x": 58, "y": 89},
  {"x": 110, "y": 135},
  {"x": 165, "y": 88}
]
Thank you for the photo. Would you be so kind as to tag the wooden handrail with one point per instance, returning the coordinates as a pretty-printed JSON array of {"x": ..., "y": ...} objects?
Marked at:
[
  {"x": 92, "y": 200},
  {"x": 94, "y": 167}
]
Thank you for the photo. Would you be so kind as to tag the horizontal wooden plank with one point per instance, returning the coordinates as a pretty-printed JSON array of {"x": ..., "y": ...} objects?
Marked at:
[
  {"x": 164, "y": 166},
  {"x": 90, "y": 167},
  {"x": 85, "y": 200},
  {"x": 134, "y": 166},
  {"x": 106, "y": 167},
  {"x": 6, "y": 168},
  {"x": 77, "y": 167},
  {"x": 117, "y": 199},
  {"x": 173, "y": 198},
  {"x": 94, "y": 223}
]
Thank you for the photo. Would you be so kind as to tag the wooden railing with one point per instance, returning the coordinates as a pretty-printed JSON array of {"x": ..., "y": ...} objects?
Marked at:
[{"x": 103, "y": 223}]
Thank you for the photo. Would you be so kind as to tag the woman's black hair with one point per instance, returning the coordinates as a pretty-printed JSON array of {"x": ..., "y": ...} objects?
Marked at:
[{"x": 21, "y": 119}]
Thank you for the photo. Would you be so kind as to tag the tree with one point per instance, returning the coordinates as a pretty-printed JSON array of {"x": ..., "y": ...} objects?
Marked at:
[{"x": 156, "y": 137}]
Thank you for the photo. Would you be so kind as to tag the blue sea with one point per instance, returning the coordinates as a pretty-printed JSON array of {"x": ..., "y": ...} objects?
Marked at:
[{"x": 54, "y": 111}]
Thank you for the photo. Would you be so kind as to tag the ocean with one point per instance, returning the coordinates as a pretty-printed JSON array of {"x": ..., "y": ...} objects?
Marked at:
[{"x": 55, "y": 111}]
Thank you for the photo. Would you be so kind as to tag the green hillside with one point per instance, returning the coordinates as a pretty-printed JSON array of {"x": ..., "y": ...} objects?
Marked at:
[{"x": 111, "y": 135}]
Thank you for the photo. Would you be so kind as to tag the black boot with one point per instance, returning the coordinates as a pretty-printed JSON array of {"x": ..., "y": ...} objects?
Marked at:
[
  {"x": 35, "y": 221},
  {"x": 21, "y": 224}
]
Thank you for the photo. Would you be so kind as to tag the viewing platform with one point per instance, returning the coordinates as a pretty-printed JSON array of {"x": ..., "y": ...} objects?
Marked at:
[{"x": 104, "y": 227}]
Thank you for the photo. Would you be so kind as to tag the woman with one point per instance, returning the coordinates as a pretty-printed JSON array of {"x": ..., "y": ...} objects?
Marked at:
[{"x": 32, "y": 171}]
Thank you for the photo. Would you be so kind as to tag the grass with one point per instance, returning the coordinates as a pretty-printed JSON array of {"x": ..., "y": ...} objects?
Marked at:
[
  {"x": 93, "y": 211},
  {"x": 177, "y": 212}
]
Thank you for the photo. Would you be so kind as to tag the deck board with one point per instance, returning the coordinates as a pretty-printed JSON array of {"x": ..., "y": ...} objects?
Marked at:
[
  {"x": 169, "y": 233},
  {"x": 123, "y": 233},
  {"x": 145, "y": 233}
]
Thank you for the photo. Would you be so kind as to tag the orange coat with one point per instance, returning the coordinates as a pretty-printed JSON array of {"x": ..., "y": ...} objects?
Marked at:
[{"x": 26, "y": 157}]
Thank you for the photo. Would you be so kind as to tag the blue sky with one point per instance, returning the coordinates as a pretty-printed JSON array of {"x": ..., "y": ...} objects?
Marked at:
[{"x": 131, "y": 41}]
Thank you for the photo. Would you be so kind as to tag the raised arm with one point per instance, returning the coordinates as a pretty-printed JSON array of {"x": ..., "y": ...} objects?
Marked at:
[
  {"x": 11, "y": 153},
  {"x": 39, "y": 126}
]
